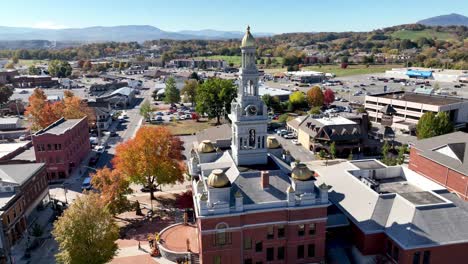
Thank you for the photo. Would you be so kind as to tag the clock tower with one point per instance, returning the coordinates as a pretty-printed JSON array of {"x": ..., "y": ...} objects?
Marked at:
[{"x": 248, "y": 112}]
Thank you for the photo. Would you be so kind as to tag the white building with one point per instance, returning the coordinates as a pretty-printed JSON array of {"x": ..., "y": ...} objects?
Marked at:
[
  {"x": 440, "y": 75},
  {"x": 410, "y": 107}
]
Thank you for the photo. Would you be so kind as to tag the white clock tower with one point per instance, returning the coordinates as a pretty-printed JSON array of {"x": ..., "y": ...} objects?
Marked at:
[{"x": 248, "y": 112}]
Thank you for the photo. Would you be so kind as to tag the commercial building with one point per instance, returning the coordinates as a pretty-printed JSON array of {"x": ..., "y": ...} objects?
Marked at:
[
  {"x": 198, "y": 63},
  {"x": 119, "y": 98},
  {"x": 103, "y": 114},
  {"x": 394, "y": 213},
  {"x": 6, "y": 76},
  {"x": 250, "y": 206},
  {"x": 316, "y": 133},
  {"x": 33, "y": 81},
  {"x": 306, "y": 76},
  {"x": 410, "y": 107},
  {"x": 443, "y": 159},
  {"x": 62, "y": 146},
  {"x": 440, "y": 75},
  {"x": 23, "y": 188},
  {"x": 282, "y": 94}
]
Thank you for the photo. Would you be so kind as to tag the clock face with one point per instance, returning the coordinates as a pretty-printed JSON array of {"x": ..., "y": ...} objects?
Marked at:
[{"x": 251, "y": 110}]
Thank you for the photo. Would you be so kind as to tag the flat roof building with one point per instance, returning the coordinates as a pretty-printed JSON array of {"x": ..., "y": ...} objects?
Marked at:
[
  {"x": 411, "y": 106},
  {"x": 395, "y": 212}
]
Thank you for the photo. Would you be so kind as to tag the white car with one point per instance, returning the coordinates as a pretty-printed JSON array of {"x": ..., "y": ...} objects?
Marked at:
[
  {"x": 99, "y": 149},
  {"x": 295, "y": 142}
]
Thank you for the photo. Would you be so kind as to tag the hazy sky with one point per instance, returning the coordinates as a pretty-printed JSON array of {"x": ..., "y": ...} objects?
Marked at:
[{"x": 274, "y": 16}]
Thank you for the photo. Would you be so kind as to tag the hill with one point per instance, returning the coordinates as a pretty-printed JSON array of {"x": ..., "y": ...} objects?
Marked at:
[
  {"x": 445, "y": 20},
  {"x": 125, "y": 33},
  {"x": 414, "y": 35}
]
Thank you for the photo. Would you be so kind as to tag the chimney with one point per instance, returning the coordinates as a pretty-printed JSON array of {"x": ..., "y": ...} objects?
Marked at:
[{"x": 265, "y": 178}]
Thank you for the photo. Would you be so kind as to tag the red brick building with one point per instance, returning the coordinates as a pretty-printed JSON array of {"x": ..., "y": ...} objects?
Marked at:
[
  {"x": 395, "y": 214},
  {"x": 62, "y": 146},
  {"x": 443, "y": 159},
  {"x": 23, "y": 188}
]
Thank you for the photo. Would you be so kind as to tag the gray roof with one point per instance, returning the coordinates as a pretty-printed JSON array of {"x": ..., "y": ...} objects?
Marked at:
[
  {"x": 413, "y": 220},
  {"x": 59, "y": 127},
  {"x": 458, "y": 144},
  {"x": 335, "y": 132},
  {"x": 215, "y": 133},
  {"x": 19, "y": 173},
  {"x": 8, "y": 120},
  {"x": 123, "y": 91}
]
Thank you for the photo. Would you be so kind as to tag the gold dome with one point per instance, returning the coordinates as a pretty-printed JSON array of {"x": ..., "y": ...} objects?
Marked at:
[
  {"x": 218, "y": 179},
  {"x": 302, "y": 172},
  {"x": 290, "y": 189},
  {"x": 206, "y": 147},
  {"x": 248, "y": 40},
  {"x": 272, "y": 142}
]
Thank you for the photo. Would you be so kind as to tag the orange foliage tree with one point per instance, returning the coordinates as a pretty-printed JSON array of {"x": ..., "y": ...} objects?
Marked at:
[
  {"x": 42, "y": 113},
  {"x": 153, "y": 158},
  {"x": 113, "y": 187},
  {"x": 315, "y": 96}
]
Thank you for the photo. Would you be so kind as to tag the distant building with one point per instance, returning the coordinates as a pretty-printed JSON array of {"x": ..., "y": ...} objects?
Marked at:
[
  {"x": 198, "y": 63},
  {"x": 283, "y": 95},
  {"x": 121, "y": 97},
  {"x": 441, "y": 75},
  {"x": 33, "y": 81},
  {"x": 10, "y": 123},
  {"x": 393, "y": 212},
  {"x": 23, "y": 189},
  {"x": 411, "y": 106},
  {"x": 62, "y": 146},
  {"x": 6, "y": 76},
  {"x": 443, "y": 159},
  {"x": 306, "y": 76}
]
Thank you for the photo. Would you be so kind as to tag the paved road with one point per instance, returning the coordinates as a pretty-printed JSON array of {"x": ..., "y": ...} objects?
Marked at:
[{"x": 297, "y": 151}]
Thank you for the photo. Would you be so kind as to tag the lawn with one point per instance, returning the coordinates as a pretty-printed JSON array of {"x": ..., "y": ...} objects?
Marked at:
[
  {"x": 28, "y": 63},
  {"x": 414, "y": 35},
  {"x": 352, "y": 69},
  {"x": 188, "y": 127}
]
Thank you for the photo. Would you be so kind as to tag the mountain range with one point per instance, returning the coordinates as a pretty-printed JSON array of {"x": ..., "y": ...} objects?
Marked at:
[
  {"x": 116, "y": 33},
  {"x": 445, "y": 20}
]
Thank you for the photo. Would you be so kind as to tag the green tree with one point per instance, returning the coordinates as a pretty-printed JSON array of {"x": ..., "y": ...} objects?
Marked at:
[
  {"x": 86, "y": 232},
  {"x": 443, "y": 124},
  {"x": 5, "y": 94},
  {"x": 401, "y": 155},
  {"x": 427, "y": 126},
  {"x": 315, "y": 96},
  {"x": 315, "y": 110},
  {"x": 333, "y": 150},
  {"x": 190, "y": 90},
  {"x": 214, "y": 97},
  {"x": 33, "y": 70},
  {"x": 58, "y": 68},
  {"x": 171, "y": 94},
  {"x": 15, "y": 60},
  {"x": 145, "y": 109},
  {"x": 297, "y": 100},
  {"x": 194, "y": 75}
]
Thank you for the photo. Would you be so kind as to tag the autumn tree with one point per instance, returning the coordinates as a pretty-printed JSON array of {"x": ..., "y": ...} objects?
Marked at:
[
  {"x": 86, "y": 232},
  {"x": 315, "y": 96},
  {"x": 152, "y": 158},
  {"x": 41, "y": 112},
  {"x": 328, "y": 97},
  {"x": 190, "y": 90},
  {"x": 5, "y": 94},
  {"x": 74, "y": 107},
  {"x": 171, "y": 94},
  {"x": 297, "y": 100},
  {"x": 113, "y": 187},
  {"x": 214, "y": 97}
]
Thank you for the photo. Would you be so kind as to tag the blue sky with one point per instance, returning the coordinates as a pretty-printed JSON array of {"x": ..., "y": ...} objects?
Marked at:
[{"x": 276, "y": 16}]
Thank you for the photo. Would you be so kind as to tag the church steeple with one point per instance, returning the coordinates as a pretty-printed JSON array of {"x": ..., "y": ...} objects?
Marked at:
[{"x": 248, "y": 71}]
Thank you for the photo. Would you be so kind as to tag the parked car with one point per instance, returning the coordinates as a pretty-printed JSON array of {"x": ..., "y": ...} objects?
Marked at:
[
  {"x": 24, "y": 92},
  {"x": 282, "y": 132},
  {"x": 295, "y": 142},
  {"x": 159, "y": 113},
  {"x": 289, "y": 136},
  {"x": 99, "y": 149},
  {"x": 86, "y": 185},
  {"x": 25, "y": 137}
]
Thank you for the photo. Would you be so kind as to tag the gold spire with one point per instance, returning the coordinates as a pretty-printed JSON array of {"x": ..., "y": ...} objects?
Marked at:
[{"x": 248, "y": 40}]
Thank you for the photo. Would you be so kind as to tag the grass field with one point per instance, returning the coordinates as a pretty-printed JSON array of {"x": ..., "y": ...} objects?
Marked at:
[
  {"x": 188, "y": 127},
  {"x": 236, "y": 60},
  {"x": 427, "y": 33},
  {"x": 351, "y": 70},
  {"x": 28, "y": 63}
]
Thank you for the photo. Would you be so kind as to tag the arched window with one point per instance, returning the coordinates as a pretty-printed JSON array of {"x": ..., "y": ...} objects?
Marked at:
[{"x": 222, "y": 236}]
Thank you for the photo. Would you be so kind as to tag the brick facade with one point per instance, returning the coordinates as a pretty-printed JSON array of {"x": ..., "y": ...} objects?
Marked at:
[
  {"x": 452, "y": 180},
  {"x": 279, "y": 236},
  {"x": 63, "y": 152}
]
